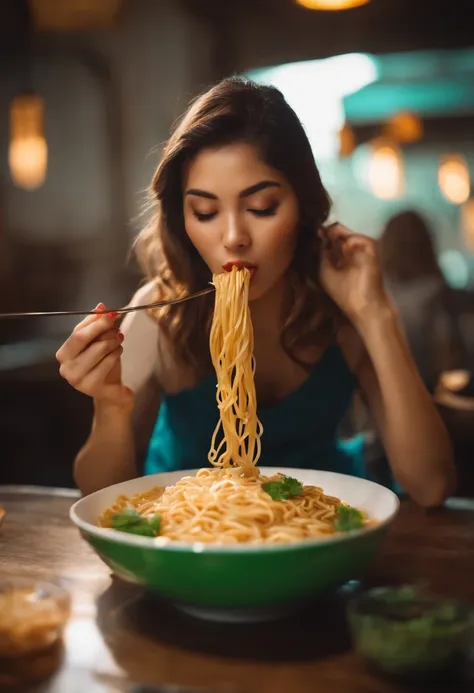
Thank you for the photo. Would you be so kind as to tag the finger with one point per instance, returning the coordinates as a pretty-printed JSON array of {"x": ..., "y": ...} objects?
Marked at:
[
  {"x": 335, "y": 232},
  {"x": 332, "y": 238},
  {"x": 96, "y": 377},
  {"x": 332, "y": 251},
  {"x": 113, "y": 333},
  {"x": 330, "y": 259},
  {"x": 76, "y": 370},
  {"x": 358, "y": 242},
  {"x": 106, "y": 318},
  {"x": 62, "y": 352},
  {"x": 90, "y": 318},
  {"x": 82, "y": 337},
  {"x": 357, "y": 249},
  {"x": 346, "y": 244}
]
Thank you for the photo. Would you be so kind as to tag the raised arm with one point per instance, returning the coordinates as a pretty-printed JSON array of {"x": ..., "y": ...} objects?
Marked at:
[
  {"x": 120, "y": 374},
  {"x": 414, "y": 436}
]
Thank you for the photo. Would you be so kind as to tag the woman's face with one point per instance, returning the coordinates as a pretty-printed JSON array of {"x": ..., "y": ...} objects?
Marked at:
[{"x": 239, "y": 209}]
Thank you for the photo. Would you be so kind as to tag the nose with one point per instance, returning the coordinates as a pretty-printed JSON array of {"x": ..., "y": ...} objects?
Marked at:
[{"x": 236, "y": 236}]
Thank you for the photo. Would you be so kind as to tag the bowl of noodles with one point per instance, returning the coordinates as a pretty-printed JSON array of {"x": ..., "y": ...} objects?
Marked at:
[
  {"x": 235, "y": 540},
  {"x": 221, "y": 549}
]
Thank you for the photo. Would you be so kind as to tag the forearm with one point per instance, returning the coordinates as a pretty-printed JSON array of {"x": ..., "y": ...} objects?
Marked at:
[
  {"x": 414, "y": 436},
  {"x": 108, "y": 456}
]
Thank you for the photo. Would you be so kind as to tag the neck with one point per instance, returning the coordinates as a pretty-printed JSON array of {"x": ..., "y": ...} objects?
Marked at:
[{"x": 266, "y": 313}]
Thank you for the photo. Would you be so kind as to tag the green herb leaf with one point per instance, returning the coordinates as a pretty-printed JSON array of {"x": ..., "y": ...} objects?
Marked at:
[
  {"x": 126, "y": 518},
  {"x": 143, "y": 529},
  {"x": 348, "y": 519},
  {"x": 284, "y": 488},
  {"x": 275, "y": 490},
  {"x": 155, "y": 523},
  {"x": 294, "y": 486},
  {"x": 131, "y": 522}
]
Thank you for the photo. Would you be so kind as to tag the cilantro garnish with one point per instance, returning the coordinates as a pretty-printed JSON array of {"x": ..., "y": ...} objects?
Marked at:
[
  {"x": 284, "y": 488},
  {"x": 131, "y": 522},
  {"x": 348, "y": 518}
]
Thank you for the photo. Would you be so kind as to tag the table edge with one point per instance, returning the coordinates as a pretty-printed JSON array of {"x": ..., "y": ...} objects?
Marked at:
[{"x": 39, "y": 491}]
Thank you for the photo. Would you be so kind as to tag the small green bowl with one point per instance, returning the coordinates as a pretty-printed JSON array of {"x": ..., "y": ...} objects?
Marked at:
[
  {"x": 403, "y": 632},
  {"x": 241, "y": 582}
]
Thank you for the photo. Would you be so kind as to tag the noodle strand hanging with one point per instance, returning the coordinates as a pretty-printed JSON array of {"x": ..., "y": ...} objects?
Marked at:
[{"x": 231, "y": 345}]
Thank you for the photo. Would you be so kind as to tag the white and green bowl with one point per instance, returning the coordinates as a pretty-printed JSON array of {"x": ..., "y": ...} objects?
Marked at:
[{"x": 241, "y": 582}]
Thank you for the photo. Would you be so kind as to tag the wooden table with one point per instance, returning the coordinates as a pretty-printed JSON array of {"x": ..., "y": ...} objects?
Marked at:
[{"x": 117, "y": 633}]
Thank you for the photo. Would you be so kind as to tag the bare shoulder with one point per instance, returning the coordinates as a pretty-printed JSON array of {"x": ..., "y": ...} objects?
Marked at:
[
  {"x": 140, "y": 360},
  {"x": 140, "y": 322},
  {"x": 147, "y": 353},
  {"x": 144, "y": 294}
]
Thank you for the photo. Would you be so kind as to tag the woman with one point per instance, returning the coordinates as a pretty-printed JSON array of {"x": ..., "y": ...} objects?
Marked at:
[
  {"x": 425, "y": 302},
  {"x": 238, "y": 181}
]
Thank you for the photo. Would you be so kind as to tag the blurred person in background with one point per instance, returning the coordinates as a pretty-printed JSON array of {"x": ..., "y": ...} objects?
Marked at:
[
  {"x": 431, "y": 315},
  {"x": 426, "y": 304}
]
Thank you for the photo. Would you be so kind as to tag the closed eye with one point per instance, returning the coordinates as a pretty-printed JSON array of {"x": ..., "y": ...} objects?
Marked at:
[
  {"x": 268, "y": 212},
  {"x": 204, "y": 217}
]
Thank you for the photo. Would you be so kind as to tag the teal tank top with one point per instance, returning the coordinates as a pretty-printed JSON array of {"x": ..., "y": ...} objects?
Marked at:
[{"x": 300, "y": 431}]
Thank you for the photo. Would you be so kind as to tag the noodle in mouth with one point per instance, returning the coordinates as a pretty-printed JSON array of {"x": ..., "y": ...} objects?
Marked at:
[{"x": 231, "y": 502}]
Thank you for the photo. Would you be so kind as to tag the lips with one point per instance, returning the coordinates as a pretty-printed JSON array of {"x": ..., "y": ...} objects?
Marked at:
[{"x": 239, "y": 264}]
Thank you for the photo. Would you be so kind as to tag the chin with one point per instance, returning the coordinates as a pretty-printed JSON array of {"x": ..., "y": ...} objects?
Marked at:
[
  {"x": 257, "y": 291},
  {"x": 262, "y": 284},
  {"x": 254, "y": 295}
]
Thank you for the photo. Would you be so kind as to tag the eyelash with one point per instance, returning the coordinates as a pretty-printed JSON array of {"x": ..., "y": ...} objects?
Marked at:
[
  {"x": 268, "y": 212},
  {"x": 204, "y": 217}
]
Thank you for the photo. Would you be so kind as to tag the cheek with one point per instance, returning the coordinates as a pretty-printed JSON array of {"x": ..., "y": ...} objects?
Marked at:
[
  {"x": 197, "y": 236},
  {"x": 282, "y": 241},
  {"x": 204, "y": 240}
]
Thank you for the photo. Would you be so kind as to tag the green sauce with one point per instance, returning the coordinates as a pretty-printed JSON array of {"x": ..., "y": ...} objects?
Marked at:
[{"x": 402, "y": 632}]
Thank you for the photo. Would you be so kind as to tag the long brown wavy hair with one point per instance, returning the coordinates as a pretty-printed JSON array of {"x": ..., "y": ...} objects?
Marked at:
[{"x": 235, "y": 110}]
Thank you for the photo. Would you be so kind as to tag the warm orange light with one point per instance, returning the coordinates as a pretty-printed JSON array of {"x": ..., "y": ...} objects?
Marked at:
[
  {"x": 386, "y": 175},
  {"x": 454, "y": 179},
  {"x": 405, "y": 127},
  {"x": 331, "y": 5},
  {"x": 28, "y": 150},
  {"x": 467, "y": 224},
  {"x": 347, "y": 141},
  {"x": 66, "y": 15}
]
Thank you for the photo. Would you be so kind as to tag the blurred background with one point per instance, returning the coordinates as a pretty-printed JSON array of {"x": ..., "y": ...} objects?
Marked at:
[{"x": 88, "y": 92}]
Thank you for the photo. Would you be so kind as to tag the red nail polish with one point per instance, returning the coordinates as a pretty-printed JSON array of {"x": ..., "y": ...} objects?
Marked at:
[{"x": 112, "y": 316}]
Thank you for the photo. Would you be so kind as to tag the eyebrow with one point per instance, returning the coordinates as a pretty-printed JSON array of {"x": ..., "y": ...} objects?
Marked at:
[{"x": 262, "y": 185}]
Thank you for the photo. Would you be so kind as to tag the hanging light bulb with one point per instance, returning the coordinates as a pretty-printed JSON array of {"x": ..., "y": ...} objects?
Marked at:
[
  {"x": 28, "y": 150},
  {"x": 405, "y": 127},
  {"x": 331, "y": 5},
  {"x": 467, "y": 224},
  {"x": 453, "y": 178},
  {"x": 385, "y": 169}
]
